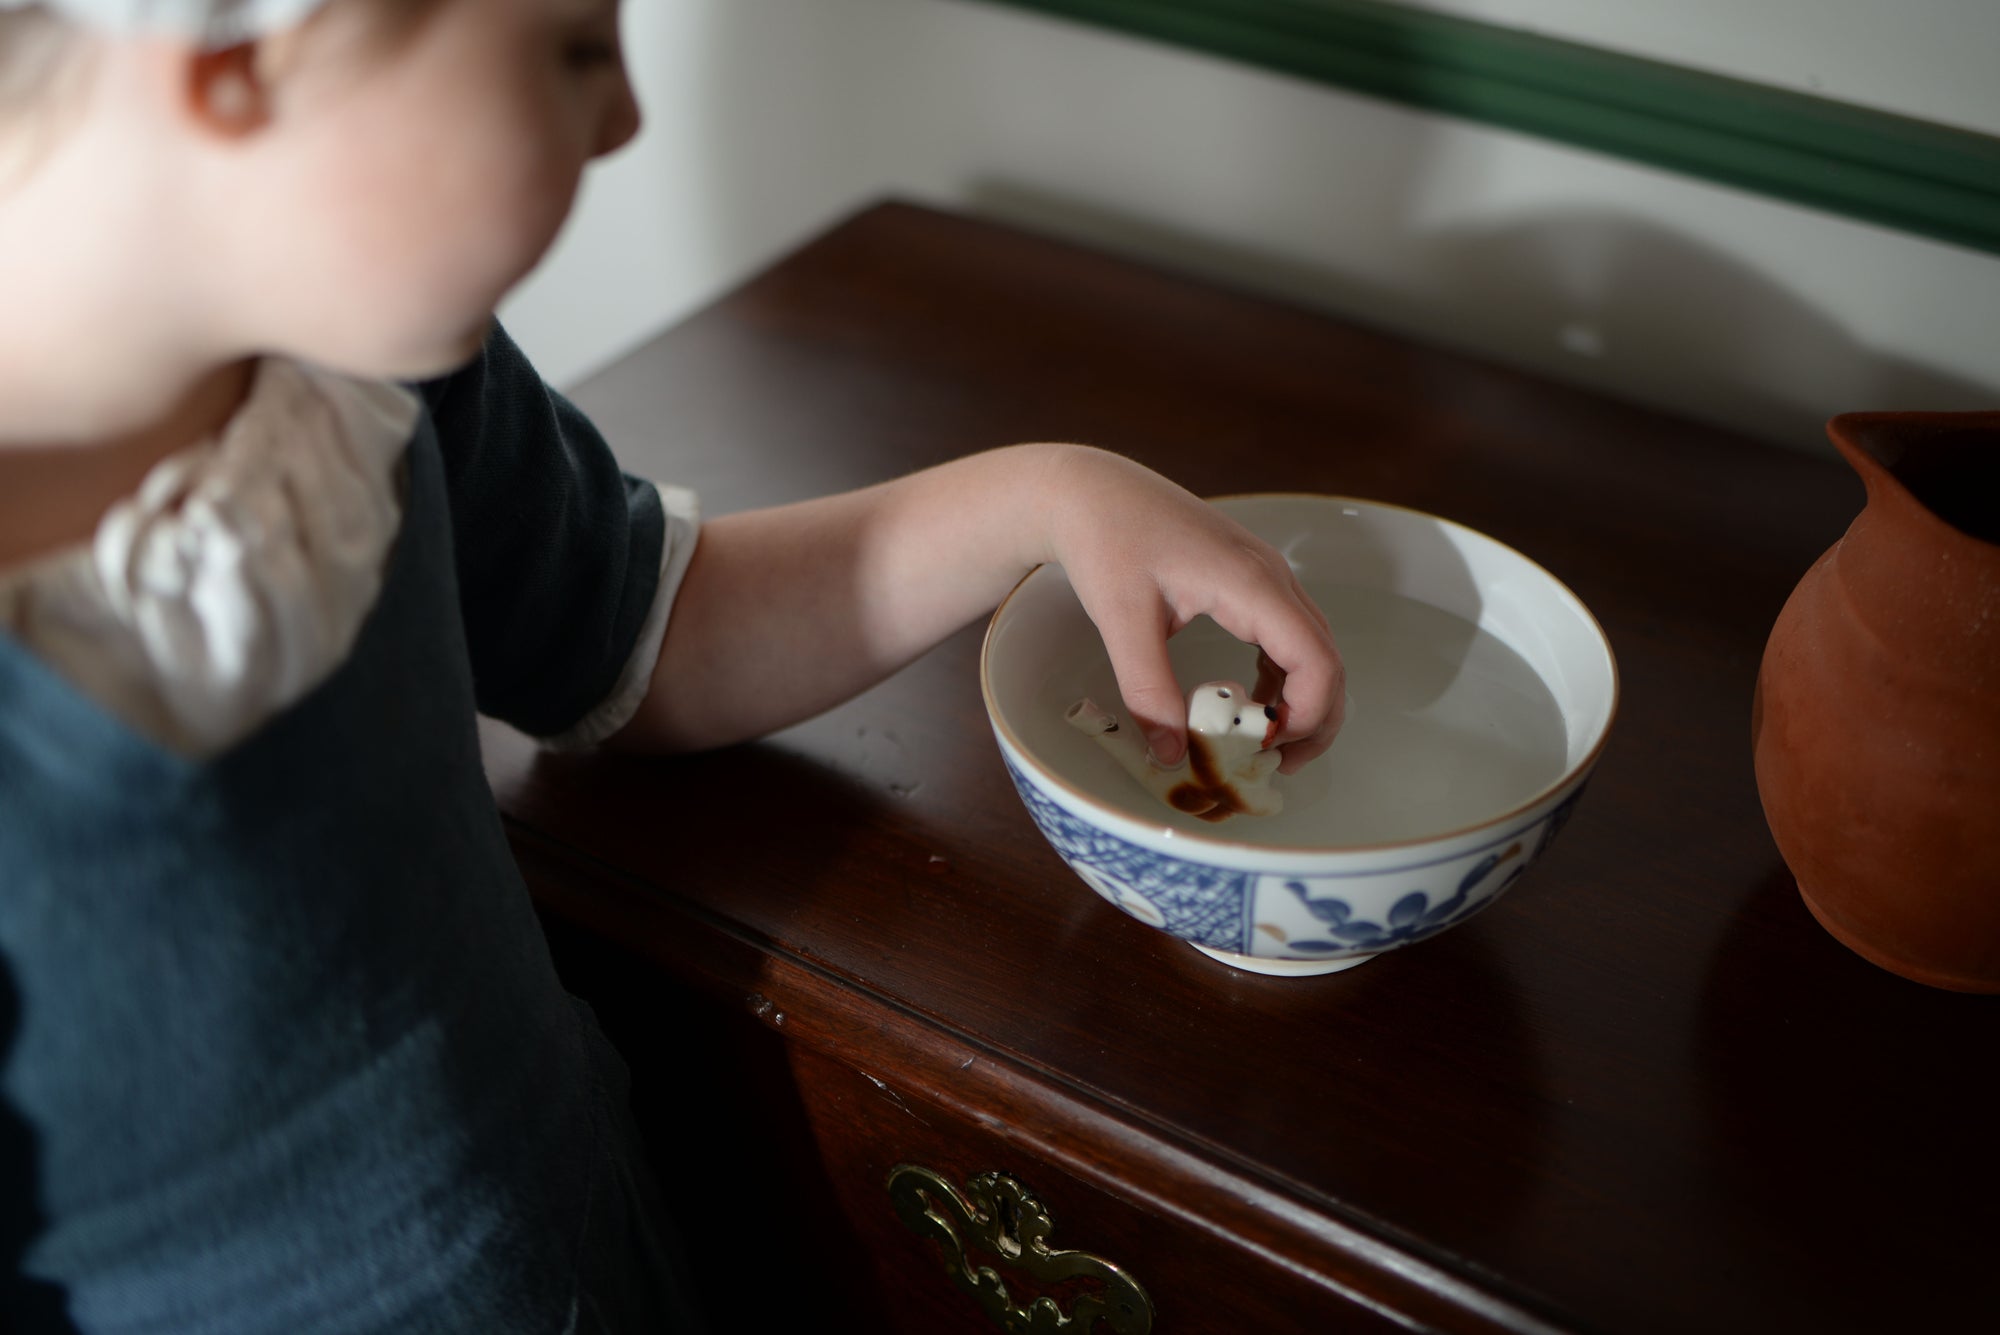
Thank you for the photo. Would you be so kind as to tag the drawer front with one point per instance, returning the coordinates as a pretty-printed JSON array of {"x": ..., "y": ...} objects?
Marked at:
[
  {"x": 1185, "y": 1280},
  {"x": 774, "y": 1132}
]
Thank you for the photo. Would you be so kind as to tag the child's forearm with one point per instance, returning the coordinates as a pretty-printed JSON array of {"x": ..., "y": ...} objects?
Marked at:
[{"x": 788, "y": 611}]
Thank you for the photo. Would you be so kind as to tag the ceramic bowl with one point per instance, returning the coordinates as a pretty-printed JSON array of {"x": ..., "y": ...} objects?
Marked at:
[{"x": 1480, "y": 692}]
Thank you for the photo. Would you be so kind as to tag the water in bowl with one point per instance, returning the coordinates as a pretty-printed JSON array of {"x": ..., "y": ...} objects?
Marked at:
[{"x": 1446, "y": 727}]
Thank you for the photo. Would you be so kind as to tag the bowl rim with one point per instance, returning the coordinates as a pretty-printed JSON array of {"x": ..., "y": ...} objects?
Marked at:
[{"x": 1198, "y": 839}]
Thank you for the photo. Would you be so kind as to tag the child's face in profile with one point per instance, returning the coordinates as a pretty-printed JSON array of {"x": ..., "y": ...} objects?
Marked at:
[{"x": 419, "y": 179}]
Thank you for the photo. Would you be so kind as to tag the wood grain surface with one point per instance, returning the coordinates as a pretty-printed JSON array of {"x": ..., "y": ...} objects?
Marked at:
[{"x": 1644, "y": 1092}]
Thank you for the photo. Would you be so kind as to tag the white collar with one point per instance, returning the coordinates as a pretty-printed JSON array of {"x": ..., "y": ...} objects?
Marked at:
[{"x": 238, "y": 575}]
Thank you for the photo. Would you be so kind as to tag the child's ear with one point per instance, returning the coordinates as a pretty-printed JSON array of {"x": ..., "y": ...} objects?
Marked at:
[{"x": 227, "y": 91}]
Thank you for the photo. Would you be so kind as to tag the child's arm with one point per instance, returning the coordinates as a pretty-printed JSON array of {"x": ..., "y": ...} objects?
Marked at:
[{"x": 788, "y": 611}]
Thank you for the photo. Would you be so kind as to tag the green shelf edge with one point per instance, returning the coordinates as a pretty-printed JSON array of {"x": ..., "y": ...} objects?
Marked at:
[{"x": 1932, "y": 180}]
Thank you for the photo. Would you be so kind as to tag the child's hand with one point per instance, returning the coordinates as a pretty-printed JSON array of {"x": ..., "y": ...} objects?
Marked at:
[{"x": 1146, "y": 558}]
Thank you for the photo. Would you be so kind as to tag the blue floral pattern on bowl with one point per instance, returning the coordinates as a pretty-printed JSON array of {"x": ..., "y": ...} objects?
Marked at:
[
  {"x": 1280, "y": 916},
  {"x": 1411, "y": 918},
  {"x": 1195, "y": 902}
]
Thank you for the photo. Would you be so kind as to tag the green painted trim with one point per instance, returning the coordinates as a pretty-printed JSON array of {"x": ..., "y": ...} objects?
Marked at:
[{"x": 1909, "y": 174}]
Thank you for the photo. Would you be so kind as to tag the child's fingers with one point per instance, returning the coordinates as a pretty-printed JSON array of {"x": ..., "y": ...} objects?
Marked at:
[
  {"x": 1298, "y": 666},
  {"x": 1136, "y": 641},
  {"x": 1270, "y": 689},
  {"x": 1270, "y": 680}
]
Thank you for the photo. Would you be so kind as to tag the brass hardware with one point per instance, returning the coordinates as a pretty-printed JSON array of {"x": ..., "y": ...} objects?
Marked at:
[{"x": 999, "y": 1215}]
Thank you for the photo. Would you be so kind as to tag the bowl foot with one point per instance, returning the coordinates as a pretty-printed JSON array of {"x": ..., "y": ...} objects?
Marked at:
[{"x": 1282, "y": 968}]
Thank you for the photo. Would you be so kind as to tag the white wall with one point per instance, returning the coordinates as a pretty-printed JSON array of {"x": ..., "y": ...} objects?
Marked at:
[
  {"x": 771, "y": 118},
  {"x": 754, "y": 139}
]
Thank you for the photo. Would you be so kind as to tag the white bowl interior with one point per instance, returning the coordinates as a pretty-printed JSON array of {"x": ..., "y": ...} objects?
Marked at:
[{"x": 1476, "y": 681}]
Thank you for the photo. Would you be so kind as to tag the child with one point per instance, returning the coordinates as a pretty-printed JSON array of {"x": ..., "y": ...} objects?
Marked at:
[{"x": 280, "y": 1044}]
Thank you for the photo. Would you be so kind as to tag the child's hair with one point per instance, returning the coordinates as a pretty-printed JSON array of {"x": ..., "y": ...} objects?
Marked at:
[
  {"x": 36, "y": 48},
  {"x": 41, "y": 52},
  {"x": 39, "y": 55}
]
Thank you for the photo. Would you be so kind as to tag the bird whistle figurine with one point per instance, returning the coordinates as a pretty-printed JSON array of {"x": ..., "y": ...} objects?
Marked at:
[{"x": 1229, "y": 763}]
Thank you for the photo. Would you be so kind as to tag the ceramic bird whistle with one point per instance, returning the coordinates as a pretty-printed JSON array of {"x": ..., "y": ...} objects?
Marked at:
[{"x": 1229, "y": 763}]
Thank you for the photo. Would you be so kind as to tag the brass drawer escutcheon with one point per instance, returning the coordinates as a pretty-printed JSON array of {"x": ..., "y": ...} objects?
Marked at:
[{"x": 1002, "y": 1217}]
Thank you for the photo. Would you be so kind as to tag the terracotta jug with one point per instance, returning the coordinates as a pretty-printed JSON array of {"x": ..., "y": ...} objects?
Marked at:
[{"x": 1876, "y": 725}]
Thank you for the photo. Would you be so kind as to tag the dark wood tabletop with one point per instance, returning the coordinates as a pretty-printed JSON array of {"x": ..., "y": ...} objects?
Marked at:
[{"x": 1644, "y": 1092}]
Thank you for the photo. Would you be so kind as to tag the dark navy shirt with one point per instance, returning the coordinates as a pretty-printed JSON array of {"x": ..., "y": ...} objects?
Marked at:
[{"x": 281, "y": 1045}]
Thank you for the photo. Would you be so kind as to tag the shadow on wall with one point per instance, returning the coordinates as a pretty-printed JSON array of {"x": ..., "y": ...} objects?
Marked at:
[{"x": 1598, "y": 299}]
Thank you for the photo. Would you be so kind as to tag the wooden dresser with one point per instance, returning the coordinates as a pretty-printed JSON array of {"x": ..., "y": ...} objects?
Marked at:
[{"x": 1644, "y": 1092}]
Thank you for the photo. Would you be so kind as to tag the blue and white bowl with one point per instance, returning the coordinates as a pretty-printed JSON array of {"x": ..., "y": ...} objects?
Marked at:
[{"x": 1480, "y": 693}]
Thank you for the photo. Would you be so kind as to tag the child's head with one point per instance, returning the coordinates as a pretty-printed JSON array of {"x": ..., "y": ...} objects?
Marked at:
[{"x": 357, "y": 186}]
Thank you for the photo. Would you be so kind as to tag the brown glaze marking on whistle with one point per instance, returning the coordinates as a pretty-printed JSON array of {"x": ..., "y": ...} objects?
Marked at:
[{"x": 1207, "y": 795}]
